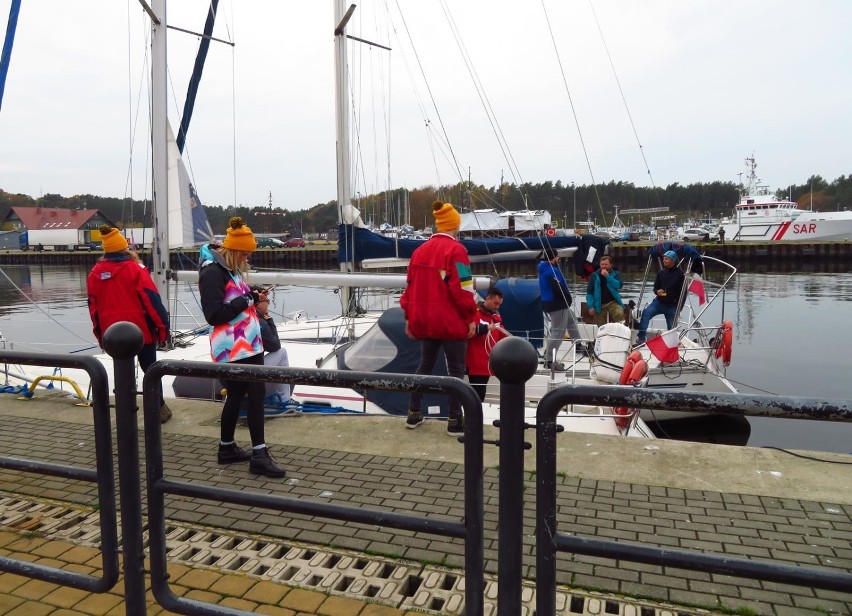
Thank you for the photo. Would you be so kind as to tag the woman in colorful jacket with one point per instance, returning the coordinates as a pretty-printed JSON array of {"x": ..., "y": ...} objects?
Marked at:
[
  {"x": 228, "y": 305},
  {"x": 121, "y": 289}
]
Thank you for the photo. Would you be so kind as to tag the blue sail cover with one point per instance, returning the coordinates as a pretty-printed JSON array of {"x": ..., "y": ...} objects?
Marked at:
[
  {"x": 354, "y": 244},
  {"x": 684, "y": 251},
  {"x": 6, "y": 58}
]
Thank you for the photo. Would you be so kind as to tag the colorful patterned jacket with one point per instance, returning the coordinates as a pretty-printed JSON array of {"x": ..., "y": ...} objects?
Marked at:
[{"x": 227, "y": 304}]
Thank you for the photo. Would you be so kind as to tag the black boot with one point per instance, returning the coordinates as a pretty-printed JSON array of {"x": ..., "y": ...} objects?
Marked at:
[
  {"x": 232, "y": 453},
  {"x": 262, "y": 463}
]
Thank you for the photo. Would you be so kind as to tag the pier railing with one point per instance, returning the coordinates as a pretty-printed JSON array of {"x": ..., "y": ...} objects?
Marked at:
[
  {"x": 513, "y": 361},
  {"x": 101, "y": 475},
  {"x": 549, "y": 541}
]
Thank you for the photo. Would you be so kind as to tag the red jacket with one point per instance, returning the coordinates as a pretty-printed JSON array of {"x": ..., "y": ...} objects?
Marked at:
[
  {"x": 120, "y": 289},
  {"x": 479, "y": 347},
  {"x": 438, "y": 302}
]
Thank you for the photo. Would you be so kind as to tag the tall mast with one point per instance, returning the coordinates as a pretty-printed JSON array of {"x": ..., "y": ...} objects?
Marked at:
[
  {"x": 159, "y": 138},
  {"x": 341, "y": 89}
]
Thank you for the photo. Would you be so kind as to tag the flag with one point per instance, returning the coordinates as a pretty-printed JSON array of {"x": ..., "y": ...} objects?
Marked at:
[
  {"x": 665, "y": 346},
  {"x": 697, "y": 287}
]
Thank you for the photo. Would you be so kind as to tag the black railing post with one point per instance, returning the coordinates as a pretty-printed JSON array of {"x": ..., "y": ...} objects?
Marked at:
[
  {"x": 123, "y": 341},
  {"x": 513, "y": 361}
]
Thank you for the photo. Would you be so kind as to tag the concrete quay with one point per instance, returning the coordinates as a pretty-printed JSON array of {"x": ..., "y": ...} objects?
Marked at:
[{"x": 792, "y": 507}]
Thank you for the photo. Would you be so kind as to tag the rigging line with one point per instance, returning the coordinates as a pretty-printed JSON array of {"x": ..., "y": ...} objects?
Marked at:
[
  {"x": 804, "y": 457},
  {"x": 42, "y": 310},
  {"x": 573, "y": 112},
  {"x": 624, "y": 100},
  {"x": 134, "y": 121},
  {"x": 429, "y": 90},
  {"x": 483, "y": 97}
]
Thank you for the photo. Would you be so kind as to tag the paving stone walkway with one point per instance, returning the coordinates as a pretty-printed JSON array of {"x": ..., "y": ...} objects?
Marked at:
[{"x": 781, "y": 529}]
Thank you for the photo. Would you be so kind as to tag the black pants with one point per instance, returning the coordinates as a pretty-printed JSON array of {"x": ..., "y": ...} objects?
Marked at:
[
  {"x": 454, "y": 351},
  {"x": 479, "y": 382},
  {"x": 237, "y": 390},
  {"x": 148, "y": 357}
]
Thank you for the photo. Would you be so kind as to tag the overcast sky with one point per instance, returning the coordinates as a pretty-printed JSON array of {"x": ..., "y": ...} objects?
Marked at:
[{"x": 706, "y": 83}]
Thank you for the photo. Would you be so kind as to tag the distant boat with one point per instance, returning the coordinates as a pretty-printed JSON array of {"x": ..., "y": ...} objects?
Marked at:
[{"x": 761, "y": 217}]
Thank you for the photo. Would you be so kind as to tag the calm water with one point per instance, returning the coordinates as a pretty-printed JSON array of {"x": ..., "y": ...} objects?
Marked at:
[{"x": 789, "y": 334}]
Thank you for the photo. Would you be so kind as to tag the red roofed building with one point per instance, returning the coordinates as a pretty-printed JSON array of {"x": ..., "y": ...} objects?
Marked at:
[{"x": 57, "y": 226}]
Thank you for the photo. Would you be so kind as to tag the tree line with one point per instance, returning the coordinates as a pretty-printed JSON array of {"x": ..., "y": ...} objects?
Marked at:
[{"x": 565, "y": 202}]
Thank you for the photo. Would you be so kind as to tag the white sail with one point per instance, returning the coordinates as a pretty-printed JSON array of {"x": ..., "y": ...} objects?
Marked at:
[{"x": 188, "y": 224}]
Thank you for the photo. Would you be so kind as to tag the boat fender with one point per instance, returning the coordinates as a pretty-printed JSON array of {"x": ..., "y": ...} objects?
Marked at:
[{"x": 725, "y": 346}]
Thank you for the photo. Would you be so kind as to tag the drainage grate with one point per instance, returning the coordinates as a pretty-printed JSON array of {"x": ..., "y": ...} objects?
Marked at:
[{"x": 399, "y": 584}]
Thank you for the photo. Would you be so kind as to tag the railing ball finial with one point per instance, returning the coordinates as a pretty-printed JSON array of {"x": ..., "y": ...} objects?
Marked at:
[
  {"x": 123, "y": 340},
  {"x": 513, "y": 360}
]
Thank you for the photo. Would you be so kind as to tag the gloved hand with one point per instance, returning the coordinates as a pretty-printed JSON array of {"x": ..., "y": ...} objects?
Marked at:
[{"x": 242, "y": 302}]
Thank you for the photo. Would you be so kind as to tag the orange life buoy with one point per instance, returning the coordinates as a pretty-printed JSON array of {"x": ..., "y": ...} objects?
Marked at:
[
  {"x": 635, "y": 369},
  {"x": 726, "y": 345},
  {"x": 624, "y": 416},
  {"x": 640, "y": 370},
  {"x": 551, "y": 232},
  {"x": 625, "y": 372}
]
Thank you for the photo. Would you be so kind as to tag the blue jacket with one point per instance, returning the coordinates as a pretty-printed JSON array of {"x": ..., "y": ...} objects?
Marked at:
[
  {"x": 554, "y": 290},
  {"x": 593, "y": 289}
]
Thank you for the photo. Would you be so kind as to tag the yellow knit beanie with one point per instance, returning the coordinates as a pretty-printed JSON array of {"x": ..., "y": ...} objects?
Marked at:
[
  {"x": 446, "y": 216},
  {"x": 239, "y": 236},
  {"x": 113, "y": 240}
]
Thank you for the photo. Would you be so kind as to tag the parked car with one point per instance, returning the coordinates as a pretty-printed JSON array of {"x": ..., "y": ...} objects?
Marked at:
[
  {"x": 295, "y": 242},
  {"x": 696, "y": 235},
  {"x": 269, "y": 242}
]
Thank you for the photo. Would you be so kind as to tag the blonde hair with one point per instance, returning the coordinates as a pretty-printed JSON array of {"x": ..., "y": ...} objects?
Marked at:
[{"x": 234, "y": 262}]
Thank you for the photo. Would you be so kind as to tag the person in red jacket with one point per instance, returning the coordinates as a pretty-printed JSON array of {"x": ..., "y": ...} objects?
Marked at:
[
  {"x": 489, "y": 331},
  {"x": 439, "y": 306},
  {"x": 121, "y": 289}
]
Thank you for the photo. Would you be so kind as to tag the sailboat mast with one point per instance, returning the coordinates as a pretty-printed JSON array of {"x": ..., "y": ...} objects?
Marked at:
[
  {"x": 341, "y": 88},
  {"x": 159, "y": 138}
]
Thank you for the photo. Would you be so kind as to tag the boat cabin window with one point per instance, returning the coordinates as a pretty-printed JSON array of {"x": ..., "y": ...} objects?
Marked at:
[{"x": 371, "y": 352}]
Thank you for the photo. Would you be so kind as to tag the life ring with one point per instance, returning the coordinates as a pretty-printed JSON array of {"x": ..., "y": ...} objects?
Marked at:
[
  {"x": 727, "y": 342},
  {"x": 551, "y": 232},
  {"x": 635, "y": 369},
  {"x": 639, "y": 372},
  {"x": 624, "y": 378}
]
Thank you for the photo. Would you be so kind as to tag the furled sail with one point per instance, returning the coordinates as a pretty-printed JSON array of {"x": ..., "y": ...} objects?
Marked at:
[{"x": 188, "y": 224}]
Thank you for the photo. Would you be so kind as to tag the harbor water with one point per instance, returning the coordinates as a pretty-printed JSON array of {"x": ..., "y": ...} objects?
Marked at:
[{"x": 790, "y": 332}]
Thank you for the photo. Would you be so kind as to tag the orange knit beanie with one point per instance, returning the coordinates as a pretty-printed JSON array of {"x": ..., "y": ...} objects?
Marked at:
[
  {"x": 113, "y": 240},
  {"x": 446, "y": 216},
  {"x": 239, "y": 236}
]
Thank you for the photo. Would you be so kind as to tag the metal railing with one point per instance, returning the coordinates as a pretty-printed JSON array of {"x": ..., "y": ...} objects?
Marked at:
[
  {"x": 549, "y": 541},
  {"x": 158, "y": 486},
  {"x": 101, "y": 475}
]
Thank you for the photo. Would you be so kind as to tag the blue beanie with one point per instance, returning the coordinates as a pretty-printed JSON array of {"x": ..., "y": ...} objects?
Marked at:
[{"x": 671, "y": 254}]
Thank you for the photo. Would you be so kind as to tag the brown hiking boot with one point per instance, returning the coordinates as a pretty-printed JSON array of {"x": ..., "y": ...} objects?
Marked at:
[{"x": 165, "y": 413}]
